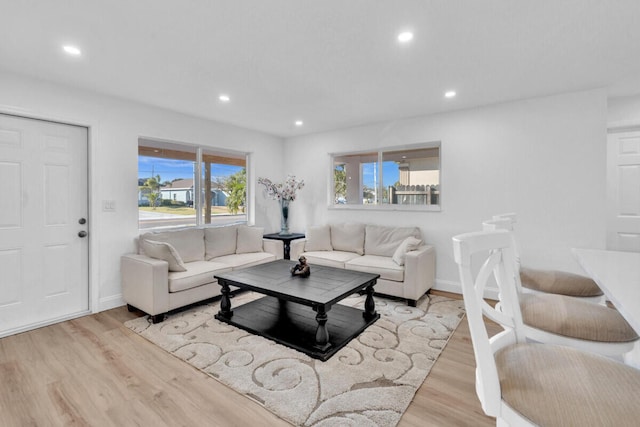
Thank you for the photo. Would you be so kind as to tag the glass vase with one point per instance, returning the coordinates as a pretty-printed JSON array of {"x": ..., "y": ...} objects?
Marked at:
[{"x": 284, "y": 219}]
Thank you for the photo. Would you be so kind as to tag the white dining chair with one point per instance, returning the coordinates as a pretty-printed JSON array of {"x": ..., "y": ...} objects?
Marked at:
[
  {"x": 559, "y": 319},
  {"x": 547, "y": 280},
  {"x": 522, "y": 383}
]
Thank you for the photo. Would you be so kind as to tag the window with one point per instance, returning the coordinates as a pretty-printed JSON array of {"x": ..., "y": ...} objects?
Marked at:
[
  {"x": 171, "y": 176},
  {"x": 407, "y": 178}
]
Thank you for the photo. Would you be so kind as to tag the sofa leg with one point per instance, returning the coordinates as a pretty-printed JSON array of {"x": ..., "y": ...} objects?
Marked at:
[
  {"x": 131, "y": 308},
  {"x": 412, "y": 302},
  {"x": 156, "y": 318}
]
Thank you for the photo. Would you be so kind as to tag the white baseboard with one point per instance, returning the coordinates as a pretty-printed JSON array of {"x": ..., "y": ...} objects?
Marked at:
[
  {"x": 108, "y": 303},
  {"x": 447, "y": 286},
  {"x": 456, "y": 288}
]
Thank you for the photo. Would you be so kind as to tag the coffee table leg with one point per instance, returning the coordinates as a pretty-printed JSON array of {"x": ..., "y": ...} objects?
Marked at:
[
  {"x": 322, "y": 334},
  {"x": 369, "y": 304},
  {"x": 225, "y": 302}
]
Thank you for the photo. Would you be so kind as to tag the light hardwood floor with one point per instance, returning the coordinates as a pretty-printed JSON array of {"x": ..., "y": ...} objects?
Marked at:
[{"x": 93, "y": 371}]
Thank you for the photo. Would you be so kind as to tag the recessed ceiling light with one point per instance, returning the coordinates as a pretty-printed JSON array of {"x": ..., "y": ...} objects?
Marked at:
[
  {"x": 72, "y": 50},
  {"x": 224, "y": 98},
  {"x": 450, "y": 94},
  {"x": 405, "y": 37},
  {"x": 299, "y": 123}
]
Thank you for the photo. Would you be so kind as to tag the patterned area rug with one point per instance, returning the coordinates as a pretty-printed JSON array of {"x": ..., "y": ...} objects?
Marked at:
[{"x": 370, "y": 382}]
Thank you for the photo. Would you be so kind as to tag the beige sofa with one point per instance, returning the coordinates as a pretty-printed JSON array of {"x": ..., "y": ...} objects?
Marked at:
[
  {"x": 175, "y": 268},
  {"x": 398, "y": 254}
]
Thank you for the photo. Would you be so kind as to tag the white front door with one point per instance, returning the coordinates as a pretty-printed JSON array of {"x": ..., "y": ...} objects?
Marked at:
[
  {"x": 44, "y": 250},
  {"x": 623, "y": 191}
]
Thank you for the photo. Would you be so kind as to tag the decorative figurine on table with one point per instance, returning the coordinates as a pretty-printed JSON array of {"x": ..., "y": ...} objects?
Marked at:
[{"x": 301, "y": 269}]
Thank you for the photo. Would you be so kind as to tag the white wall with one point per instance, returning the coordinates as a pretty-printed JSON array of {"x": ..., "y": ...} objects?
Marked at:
[
  {"x": 624, "y": 112},
  {"x": 115, "y": 126},
  {"x": 544, "y": 159}
]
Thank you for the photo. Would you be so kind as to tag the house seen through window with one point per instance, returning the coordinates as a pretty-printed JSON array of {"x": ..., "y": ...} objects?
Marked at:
[
  {"x": 399, "y": 178},
  {"x": 171, "y": 176}
]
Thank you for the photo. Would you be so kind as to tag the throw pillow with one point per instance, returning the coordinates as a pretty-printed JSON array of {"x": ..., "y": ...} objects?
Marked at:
[
  {"x": 348, "y": 237},
  {"x": 409, "y": 244},
  {"x": 318, "y": 238},
  {"x": 249, "y": 239},
  {"x": 189, "y": 242},
  {"x": 220, "y": 241},
  {"x": 164, "y": 251},
  {"x": 383, "y": 240}
]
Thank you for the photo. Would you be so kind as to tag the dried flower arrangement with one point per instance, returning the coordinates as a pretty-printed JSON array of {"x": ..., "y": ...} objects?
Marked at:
[{"x": 282, "y": 191}]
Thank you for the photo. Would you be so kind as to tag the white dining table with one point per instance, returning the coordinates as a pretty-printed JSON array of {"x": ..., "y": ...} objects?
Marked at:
[{"x": 618, "y": 275}]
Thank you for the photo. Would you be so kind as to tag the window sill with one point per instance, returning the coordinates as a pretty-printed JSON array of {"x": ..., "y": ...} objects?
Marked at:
[{"x": 390, "y": 208}]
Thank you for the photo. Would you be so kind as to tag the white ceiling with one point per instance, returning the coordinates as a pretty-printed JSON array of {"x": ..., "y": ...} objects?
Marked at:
[{"x": 330, "y": 63}]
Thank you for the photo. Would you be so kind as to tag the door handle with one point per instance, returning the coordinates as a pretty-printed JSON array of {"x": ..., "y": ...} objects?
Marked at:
[{"x": 82, "y": 233}]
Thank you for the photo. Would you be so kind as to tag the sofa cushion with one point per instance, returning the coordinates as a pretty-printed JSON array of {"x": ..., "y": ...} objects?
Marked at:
[
  {"x": 409, "y": 244},
  {"x": 249, "y": 239},
  {"x": 318, "y": 238},
  {"x": 189, "y": 242},
  {"x": 384, "y": 266},
  {"x": 198, "y": 273},
  {"x": 329, "y": 258},
  {"x": 164, "y": 251},
  {"x": 220, "y": 241},
  {"x": 237, "y": 261},
  {"x": 384, "y": 240},
  {"x": 348, "y": 237}
]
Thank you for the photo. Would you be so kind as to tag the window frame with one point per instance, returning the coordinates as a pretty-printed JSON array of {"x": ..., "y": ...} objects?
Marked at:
[
  {"x": 379, "y": 152},
  {"x": 201, "y": 153}
]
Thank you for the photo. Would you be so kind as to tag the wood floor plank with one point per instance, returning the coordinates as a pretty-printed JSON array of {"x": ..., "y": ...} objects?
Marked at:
[{"x": 94, "y": 371}]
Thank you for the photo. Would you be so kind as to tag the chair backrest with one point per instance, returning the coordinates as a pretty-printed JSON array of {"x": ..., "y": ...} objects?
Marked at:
[
  {"x": 504, "y": 222},
  {"x": 511, "y": 216},
  {"x": 482, "y": 257}
]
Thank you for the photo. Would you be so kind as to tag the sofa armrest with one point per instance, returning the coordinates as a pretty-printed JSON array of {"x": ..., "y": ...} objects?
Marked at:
[
  {"x": 419, "y": 272},
  {"x": 296, "y": 248},
  {"x": 145, "y": 283},
  {"x": 274, "y": 247}
]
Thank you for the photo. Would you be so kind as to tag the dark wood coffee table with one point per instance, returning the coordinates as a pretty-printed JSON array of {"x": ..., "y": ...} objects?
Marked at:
[{"x": 294, "y": 310}]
